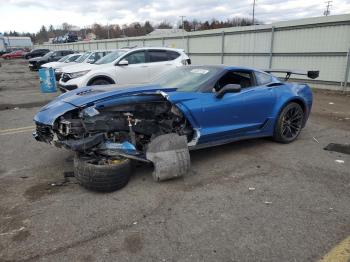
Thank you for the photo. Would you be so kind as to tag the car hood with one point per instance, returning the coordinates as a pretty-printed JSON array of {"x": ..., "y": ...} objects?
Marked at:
[
  {"x": 35, "y": 59},
  {"x": 78, "y": 67},
  {"x": 52, "y": 64},
  {"x": 96, "y": 95}
]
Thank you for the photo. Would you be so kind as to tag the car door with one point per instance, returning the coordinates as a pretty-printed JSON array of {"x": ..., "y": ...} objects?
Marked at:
[
  {"x": 160, "y": 61},
  {"x": 238, "y": 114},
  {"x": 135, "y": 72}
]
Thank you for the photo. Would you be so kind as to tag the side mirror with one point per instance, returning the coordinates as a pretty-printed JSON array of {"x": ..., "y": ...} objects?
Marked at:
[
  {"x": 229, "y": 88},
  {"x": 123, "y": 62}
]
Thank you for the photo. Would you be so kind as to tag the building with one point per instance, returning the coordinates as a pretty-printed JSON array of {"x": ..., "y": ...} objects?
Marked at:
[{"x": 14, "y": 42}]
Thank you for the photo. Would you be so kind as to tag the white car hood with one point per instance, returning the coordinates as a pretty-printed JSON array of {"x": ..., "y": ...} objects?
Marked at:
[
  {"x": 52, "y": 64},
  {"x": 78, "y": 67}
]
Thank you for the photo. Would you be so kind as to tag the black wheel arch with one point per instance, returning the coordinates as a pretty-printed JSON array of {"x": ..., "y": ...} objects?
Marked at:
[
  {"x": 107, "y": 78},
  {"x": 300, "y": 102}
]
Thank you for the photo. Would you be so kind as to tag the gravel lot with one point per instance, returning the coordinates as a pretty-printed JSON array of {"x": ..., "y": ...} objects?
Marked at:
[{"x": 253, "y": 200}]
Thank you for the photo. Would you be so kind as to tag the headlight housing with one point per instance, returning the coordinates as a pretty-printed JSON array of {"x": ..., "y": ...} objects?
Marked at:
[{"x": 78, "y": 74}]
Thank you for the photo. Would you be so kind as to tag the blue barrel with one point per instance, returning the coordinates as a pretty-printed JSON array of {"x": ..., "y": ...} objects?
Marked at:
[{"x": 47, "y": 80}]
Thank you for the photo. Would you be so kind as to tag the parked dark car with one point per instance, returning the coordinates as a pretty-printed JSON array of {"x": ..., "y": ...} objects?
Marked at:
[
  {"x": 36, "y": 53},
  {"x": 35, "y": 63}
]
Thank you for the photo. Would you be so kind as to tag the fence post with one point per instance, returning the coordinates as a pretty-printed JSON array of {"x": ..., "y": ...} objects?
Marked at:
[
  {"x": 271, "y": 46},
  {"x": 143, "y": 42},
  {"x": 163, "y": 41},
  {"x": 188, "y": 44},
  {"x": 347, "y": 71},
  {"x": 222, "y": 46}
]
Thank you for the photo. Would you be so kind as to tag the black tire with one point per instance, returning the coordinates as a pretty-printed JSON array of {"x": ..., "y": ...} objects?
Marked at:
[
  {"x": 100, "y": 81},
  {"x": 101, "y": 177},
  {"x": 289, "y": 123}
]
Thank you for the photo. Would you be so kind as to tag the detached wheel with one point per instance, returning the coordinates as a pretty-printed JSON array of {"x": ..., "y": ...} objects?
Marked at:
[
  {"x": 101, "y": 174},
  {"x": 289, "y": 123}
]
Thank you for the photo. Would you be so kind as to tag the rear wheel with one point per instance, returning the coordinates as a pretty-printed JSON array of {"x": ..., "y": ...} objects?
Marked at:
[
  {"x": 289, "y": 123},
  {"x": 104, "y": 175}
]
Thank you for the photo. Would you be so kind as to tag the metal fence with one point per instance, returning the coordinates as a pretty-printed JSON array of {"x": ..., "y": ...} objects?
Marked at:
[{"x": 321, "y": 43}]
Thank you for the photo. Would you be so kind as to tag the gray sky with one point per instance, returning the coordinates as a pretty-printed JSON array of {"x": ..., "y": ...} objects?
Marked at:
[{"x": 29, "y": 15}]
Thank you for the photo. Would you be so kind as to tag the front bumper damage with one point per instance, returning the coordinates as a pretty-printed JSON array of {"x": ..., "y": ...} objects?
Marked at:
[{"x": 103, "y": 133}]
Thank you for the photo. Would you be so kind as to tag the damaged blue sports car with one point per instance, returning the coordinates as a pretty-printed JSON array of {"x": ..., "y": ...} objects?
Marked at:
[{"x": 187, "y": 108}]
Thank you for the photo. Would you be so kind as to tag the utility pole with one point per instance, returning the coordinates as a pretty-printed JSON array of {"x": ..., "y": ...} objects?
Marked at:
[
  {"x": 254, "y": 12},
  {"x": 108, "y": 30},
  {"x": 327, "y": 11},
  {"x": 183, "y": 29}
]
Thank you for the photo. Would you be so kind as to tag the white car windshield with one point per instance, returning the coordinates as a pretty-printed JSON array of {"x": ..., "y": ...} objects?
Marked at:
[
  {"x": 109, "y": 58},
  {"x": 72, "y": 58},
  {"x": 83, "y": 57},
  {"x": 63, "y": 59}
]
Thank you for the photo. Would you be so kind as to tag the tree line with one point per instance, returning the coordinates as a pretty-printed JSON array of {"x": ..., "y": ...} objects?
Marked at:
[{"x": 128, "y": 30}]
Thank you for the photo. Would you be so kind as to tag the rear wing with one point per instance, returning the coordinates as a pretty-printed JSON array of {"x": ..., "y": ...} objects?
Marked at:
[{"x": 310, "y": 74}]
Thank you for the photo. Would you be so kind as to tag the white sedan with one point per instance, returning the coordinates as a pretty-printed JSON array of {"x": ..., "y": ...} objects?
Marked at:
[{"x": 124, "y": 66}]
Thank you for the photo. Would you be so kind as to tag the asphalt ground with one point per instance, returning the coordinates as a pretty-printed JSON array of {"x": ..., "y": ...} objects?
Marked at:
[{"x": 253, "y": 200}]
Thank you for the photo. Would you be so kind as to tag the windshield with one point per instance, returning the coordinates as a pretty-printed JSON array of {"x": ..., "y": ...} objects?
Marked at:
[
  {"x": 72, "y": 58},
  {"x": 49, "y": 54},
  {"x": 109, "y": 58},
  {"x": 64, "y": 58},
  {"x": 83, "y": 57},
  {"x": 187, "y": 79}
]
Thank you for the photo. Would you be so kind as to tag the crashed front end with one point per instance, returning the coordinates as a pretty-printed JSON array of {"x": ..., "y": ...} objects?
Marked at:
[{"x": 123, "y": 127}]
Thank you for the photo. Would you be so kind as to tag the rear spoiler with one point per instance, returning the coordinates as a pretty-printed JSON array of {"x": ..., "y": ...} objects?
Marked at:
[{"x": 309, "y": 74}]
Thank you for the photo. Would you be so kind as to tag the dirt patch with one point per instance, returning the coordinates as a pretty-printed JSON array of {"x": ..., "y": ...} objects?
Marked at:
[
  {"x": 340, "y": 148},
  {"x": 10, "y": 220},
  {"x": 36, "y": 192},
  {"x": 21, "y": 236},
  {"x": 133, "y": 243}
]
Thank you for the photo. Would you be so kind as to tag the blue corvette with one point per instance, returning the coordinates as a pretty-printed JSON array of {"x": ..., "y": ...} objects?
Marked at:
[{"x": 208, "y": 105}]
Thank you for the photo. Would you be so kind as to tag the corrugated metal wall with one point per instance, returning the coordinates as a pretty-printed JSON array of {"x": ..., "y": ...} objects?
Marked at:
[{"x": 315, "y": 43}]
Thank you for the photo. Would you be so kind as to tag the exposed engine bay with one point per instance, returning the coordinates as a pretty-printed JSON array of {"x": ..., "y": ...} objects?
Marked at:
[{"x": 123, "y": 129}]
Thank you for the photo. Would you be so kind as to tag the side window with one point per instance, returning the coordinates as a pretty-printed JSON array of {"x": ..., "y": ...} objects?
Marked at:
[
  {"x": 136, "y": 58},
  {"x": 158, "y": 56},
  {"x": 242, "y": 78},
  {"x": 172, "y": 55},
  {"x": 98, "y": 56},
  {"x": 262, "y": 78}
]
